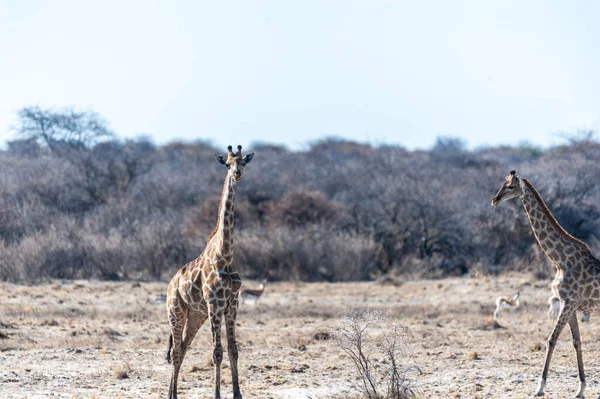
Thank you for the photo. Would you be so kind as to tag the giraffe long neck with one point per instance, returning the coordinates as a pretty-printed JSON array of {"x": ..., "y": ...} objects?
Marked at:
[
  {"x": 222, "y": 237},
  {"x": 553, "y": 239}
]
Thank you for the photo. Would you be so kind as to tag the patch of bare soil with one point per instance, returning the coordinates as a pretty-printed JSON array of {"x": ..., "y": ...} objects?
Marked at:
[{"x": 108, "y": 340}]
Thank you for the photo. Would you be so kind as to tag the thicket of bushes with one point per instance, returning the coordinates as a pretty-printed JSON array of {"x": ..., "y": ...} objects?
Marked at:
[{"x": 77, "y": 203}]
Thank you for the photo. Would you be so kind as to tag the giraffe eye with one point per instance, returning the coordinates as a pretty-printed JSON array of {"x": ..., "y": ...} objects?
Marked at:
[
  {"x": 228, "y": 166},
  {"x": 511, "y": 187}
]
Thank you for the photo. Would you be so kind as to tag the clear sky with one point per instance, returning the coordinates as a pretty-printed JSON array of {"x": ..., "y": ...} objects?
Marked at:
[{"x": 398, "y": 72}]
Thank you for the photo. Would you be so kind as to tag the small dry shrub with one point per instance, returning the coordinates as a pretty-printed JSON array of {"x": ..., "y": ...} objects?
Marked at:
[
  {"x": 322, "y": 336},
  {"x": 122, "y": 370},
  {"x": 489, "y": 325},
  {"x": 537, "y": 347},
  {"x": 380, "y": 351},
  {"x": 194, "y": 368}
]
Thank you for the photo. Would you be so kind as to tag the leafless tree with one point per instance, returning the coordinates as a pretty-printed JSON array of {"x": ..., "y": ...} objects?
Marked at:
[{"x": 380, "y": 352}]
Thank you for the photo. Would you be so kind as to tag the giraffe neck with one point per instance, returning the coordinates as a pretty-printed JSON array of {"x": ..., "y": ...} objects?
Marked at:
[
  {"x": 553, "y": 239},
  {"x": 222, "y": 237}
]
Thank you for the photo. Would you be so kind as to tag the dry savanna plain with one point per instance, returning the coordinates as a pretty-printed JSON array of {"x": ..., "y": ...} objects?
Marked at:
[{"x": 88, "y": 339}]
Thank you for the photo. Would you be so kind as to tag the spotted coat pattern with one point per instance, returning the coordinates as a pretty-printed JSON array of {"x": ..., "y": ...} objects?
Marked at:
[
  {"x": 207, "y": 288},
  {"x": 577, "y": 281}
]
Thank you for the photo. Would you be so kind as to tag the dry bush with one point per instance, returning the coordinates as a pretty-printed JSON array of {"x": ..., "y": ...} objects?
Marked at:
[
  {"x": 122, "y": 371},
  {"x": 74, "y": 206},
  {"x": 200, "y": 221},
  {"x": 311, "y": 253},
  {"x": 380, "y": 352},
  {"x": 300, "y": 207}
]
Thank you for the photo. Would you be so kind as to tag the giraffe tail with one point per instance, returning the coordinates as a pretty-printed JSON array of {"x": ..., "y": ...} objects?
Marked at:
[{"x": 169, "y": 350}]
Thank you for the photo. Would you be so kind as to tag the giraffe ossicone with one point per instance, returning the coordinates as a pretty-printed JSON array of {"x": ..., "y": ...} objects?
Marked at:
[
  {"x": 577, "y": 281},
  {"x": 207, "y": 288}
]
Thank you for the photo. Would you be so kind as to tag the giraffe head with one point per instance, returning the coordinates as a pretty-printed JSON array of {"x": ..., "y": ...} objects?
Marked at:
[
  {"x": 235, "y": 162},
  {"x": 510, "y": 189}
]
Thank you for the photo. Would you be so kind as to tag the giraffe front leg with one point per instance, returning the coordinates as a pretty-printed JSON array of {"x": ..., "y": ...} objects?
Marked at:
[
  {"x": 215, "y": 324},
  {"x": 232, "y": 349},
  {"x": 565, "y": 314},
  {"x": 577, "y": 345}
]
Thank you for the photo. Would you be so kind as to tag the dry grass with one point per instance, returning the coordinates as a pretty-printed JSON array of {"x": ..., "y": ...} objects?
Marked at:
[{"x": 76, "y": 339}]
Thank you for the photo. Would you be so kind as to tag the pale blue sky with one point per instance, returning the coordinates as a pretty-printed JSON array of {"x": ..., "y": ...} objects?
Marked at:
[{"x": 399, "y": 72}]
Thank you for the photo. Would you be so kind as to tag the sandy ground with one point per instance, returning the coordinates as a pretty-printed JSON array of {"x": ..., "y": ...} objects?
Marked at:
[{"x": 76, "y": 339}]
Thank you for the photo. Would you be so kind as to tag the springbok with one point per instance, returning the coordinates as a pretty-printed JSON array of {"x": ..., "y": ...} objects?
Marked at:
[
  {"x": 250, "y": 293},
  {"x": 506, "y": 302}
]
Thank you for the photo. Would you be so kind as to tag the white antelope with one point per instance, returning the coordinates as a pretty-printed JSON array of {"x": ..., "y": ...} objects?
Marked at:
[
  {"x": 506, "y": 302},
  {"x": 255, "y": 294}
]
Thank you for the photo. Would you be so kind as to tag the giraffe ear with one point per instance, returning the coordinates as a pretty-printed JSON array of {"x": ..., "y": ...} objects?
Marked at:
[
  {"x": 248, "y": 158},
  {"x": 220, "y": 159}
]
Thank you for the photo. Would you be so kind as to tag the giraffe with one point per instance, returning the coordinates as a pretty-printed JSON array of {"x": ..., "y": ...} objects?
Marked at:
[
  {"x": 577, "y": 282},
  {"x": 207, "y": 287},
  {"x": 554, "y": 303}
]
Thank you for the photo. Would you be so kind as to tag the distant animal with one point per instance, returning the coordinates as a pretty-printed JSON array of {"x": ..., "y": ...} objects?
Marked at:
[
  {"x": 554, "y": 310},
  {"x": 585, "y": 317},
  {"x": 253, "y": 294},
  {"x": 506, "y": 302}
]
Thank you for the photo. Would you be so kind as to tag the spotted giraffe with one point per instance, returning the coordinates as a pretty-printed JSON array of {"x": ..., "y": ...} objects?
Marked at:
[
  {"x": 577, "y": 282},
  {"x": 207, "y": 287}
]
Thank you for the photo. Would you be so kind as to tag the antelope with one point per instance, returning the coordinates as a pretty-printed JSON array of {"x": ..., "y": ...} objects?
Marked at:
[
  {"x": 250, "y": 293},
  {"x": 506, "y": 302}
]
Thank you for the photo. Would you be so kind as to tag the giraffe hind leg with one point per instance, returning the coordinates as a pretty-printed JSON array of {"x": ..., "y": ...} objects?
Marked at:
[
  {"x": 577, "y": 345},
  {"x": 177, "y": 319},
  {"x": 169, "y": 348},
  {"x": 194, "y": 322},
  {"x": 566, "y": 313}
]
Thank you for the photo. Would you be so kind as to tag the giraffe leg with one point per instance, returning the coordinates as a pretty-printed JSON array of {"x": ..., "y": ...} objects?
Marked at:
[
  {"x": 577, "y": 344},
  {"x": 565, "y": 314},
  {"x": 215, "y": 314},
  {"x": 194, "y": 322},
  {"x": 232, "y": 350},
  {"x": 169, "y": 348},
  {"x": 177, "y": 319}
]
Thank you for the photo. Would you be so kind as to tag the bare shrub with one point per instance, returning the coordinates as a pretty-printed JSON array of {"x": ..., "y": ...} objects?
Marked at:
[
  {"x": 380, "y": 352},
  {"x": 122, "y": 371},
  {"x": 38, "y": 257},
  {"x": 300, "y": 207},
  {"x": 200, "y": 221},
  {"x": 311, "y": 253},
  {"x": 77, "y": 203}
]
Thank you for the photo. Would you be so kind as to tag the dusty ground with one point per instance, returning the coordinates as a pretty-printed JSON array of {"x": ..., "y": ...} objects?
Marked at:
[{"x": 75, "y": 339}]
